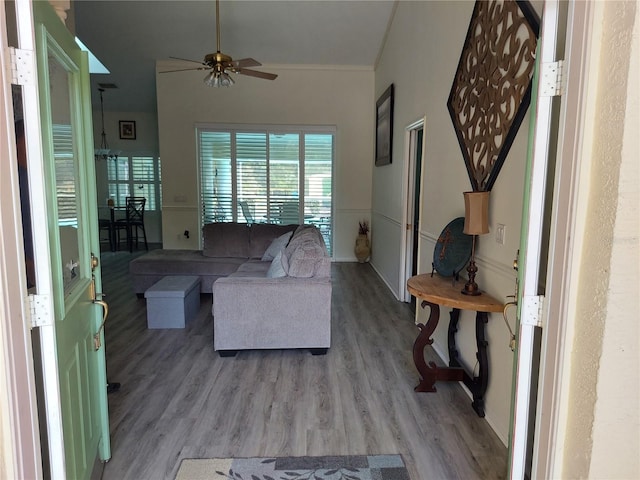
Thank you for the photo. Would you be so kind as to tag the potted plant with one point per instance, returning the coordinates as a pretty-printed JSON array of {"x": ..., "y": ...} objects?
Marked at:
[{"x": 363, "y": 247}]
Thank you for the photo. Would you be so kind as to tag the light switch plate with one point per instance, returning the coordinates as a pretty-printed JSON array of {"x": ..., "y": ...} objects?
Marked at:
[{"x": 500, "y": 234}]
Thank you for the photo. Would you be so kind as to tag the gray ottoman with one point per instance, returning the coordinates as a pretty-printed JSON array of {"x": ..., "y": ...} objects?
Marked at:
[{"x": 172, "y": 301}]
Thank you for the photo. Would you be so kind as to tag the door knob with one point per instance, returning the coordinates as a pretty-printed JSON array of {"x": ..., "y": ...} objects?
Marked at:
[{"x": 94, "y": 262}]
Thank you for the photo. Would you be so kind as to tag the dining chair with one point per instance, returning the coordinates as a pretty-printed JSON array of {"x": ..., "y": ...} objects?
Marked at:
[
  {"x": 290, "y": 213},
  {"x": 105, "y": 224},
  {"x": 133, "y": 222},
  {"x": 246, "y": 211}
]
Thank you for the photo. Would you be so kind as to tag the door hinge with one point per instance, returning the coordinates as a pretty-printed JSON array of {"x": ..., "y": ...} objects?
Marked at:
[
  {"x": 22, "y": 66},
  {"x": 552, "y": 79},
  {"x": 532, "y": 310},
  {"x": 39, "y": 310}
]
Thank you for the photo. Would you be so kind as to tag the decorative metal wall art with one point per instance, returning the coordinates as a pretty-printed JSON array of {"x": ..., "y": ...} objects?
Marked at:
[{"x": 491, "y": 89}]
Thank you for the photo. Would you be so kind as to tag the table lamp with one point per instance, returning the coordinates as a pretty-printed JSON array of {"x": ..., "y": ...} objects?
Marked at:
[{"x": 476, "y": 222}]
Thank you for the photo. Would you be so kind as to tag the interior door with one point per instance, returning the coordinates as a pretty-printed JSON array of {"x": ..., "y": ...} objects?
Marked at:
[
  {"x": 414, "y": 135},
  {"x": 71, "y": 212}
]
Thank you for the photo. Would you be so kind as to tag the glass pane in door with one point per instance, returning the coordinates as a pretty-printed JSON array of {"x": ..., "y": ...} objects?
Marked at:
[
  {"x": 318, "y": 167},
  {"x": 65, "y": 168},
  {"x": 284, "y": 177}
]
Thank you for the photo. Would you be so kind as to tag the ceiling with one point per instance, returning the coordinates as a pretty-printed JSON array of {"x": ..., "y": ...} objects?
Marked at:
[{"x": 129, "y": 36}]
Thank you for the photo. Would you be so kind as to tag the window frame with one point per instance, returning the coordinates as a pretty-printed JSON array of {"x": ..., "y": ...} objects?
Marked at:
[
  {"x": 155, "y": 185},
  {"x": 300, "y": 130}
]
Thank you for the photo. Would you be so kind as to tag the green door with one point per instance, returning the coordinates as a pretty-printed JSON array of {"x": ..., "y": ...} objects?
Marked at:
[{"x": 71, "y": 211}]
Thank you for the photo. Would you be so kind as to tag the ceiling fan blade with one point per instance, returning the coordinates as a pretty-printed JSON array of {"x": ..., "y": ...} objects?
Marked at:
[
  {"x": 255, "y": 73},
  {"x": 244, "y": 62},
  {"x": 187, "y": 60},
  {"x": 185, "y": 69}
]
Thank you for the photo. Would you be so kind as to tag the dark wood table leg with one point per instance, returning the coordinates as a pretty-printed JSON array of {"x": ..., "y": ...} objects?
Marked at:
[
  {"x": 112, "y": 229},
  {"x": 477, "y": 385},
  {"x": 431, "y": 373},
  {"x": 454, "y": 316},
  {"x": 112, "y": 236}
]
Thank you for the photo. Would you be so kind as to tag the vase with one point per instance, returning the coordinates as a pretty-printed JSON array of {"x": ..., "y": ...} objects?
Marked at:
[{"x": 362, "y": 249}]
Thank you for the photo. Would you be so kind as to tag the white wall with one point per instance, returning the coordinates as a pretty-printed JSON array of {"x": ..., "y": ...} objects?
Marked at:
[
  {"x": 146, "y": 143},
  {"x": 420, "y": 58},
  {"x": 603, "y": 440},
  {"x": 299, "y": 96}
]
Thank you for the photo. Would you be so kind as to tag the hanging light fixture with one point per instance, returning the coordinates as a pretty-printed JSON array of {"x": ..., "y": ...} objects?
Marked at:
[
  {"x": 217, "y": 78},
  {"x": 104, "y": 152}
]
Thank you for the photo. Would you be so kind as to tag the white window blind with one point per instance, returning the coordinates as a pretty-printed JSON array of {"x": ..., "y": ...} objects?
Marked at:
[
  {"x": 65, "y": 174},
  {"x": 215, "y": 176},
  {"x": 263, "y": 176},
  {"x": 136, "y": 176}
]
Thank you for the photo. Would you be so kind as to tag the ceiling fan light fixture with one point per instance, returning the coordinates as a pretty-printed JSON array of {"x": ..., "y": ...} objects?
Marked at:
[
  {"x": 226, "y": 80},
  {"x": 219, "y": 64},
  {"x": 210, "y": 79},
  {"x": 218, "y": 79}
]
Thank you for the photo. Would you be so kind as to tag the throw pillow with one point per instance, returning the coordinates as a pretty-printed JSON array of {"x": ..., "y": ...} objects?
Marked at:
[
  {"x": 301, "y": 235},
  {"x": 277, "y": 268},
  {"x": 276, "y": 246},
  {"x": 304, "y": 260}
]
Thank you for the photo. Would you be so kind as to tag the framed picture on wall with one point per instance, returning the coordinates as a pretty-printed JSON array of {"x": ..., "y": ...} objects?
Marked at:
[
  {"x": 384, "y": 127},
  {"x": 127, "y": 129}
]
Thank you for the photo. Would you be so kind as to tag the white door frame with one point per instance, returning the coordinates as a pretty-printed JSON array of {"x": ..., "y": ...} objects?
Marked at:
[
  {"x": 565, "y": 244},
  {"x": 19, "y": 436},
  {"x": 564, "y": 251},
  {"x": 531, "y": 246},
  {"x": 408, "y": 189}
]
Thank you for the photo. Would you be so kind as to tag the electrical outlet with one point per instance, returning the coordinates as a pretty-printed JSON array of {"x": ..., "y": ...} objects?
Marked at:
[{"x": 500, "y": 234}]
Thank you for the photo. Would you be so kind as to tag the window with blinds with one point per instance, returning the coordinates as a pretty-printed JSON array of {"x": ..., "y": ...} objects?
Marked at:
[
  {"x": 136, "y": 176},
  {"x": 65, "y": 174},
  {"x": 262, "y": 176}
]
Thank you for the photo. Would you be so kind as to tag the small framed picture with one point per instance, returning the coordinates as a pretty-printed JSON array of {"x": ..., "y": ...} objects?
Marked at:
[{"x": 127, "y": 129}]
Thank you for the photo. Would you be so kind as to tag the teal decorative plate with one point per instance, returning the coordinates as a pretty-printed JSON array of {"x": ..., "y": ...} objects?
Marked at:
[{"x": 453, "y": 249}]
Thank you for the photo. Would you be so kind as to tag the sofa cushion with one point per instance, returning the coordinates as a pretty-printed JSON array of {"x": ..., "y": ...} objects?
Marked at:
[
  {"x": 262, "y": 234},
  {"x": 183, "y": 262},
  {"x": 253, "y": 269},
  {"x": 253, "y": 266},
  {"x": 226, "y": 240},
  {"x": 276, "y": 246}
]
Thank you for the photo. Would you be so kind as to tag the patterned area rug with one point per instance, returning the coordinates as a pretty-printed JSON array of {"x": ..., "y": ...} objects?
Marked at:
[{"x": 357, "y": 467}]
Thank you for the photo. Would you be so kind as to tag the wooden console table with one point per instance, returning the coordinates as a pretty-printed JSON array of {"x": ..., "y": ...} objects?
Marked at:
[{"x": 436, "y": 291}]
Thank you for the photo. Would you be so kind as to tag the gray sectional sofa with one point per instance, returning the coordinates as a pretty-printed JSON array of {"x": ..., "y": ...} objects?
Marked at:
[
  {"x": 226, "y": 247},
  {"x": 271, "y": 284},
  {"x": 282, "y": 303}
]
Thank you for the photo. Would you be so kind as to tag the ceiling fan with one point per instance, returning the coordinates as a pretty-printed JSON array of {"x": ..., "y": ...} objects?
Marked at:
[{"x": 219, "y": 64}]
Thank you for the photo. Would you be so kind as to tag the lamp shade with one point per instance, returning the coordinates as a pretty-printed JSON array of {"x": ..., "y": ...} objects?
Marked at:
[{"x": 476, "y": 213}]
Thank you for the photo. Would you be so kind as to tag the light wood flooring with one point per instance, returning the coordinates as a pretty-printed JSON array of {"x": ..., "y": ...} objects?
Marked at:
[{"x": 179, "y": 399}]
